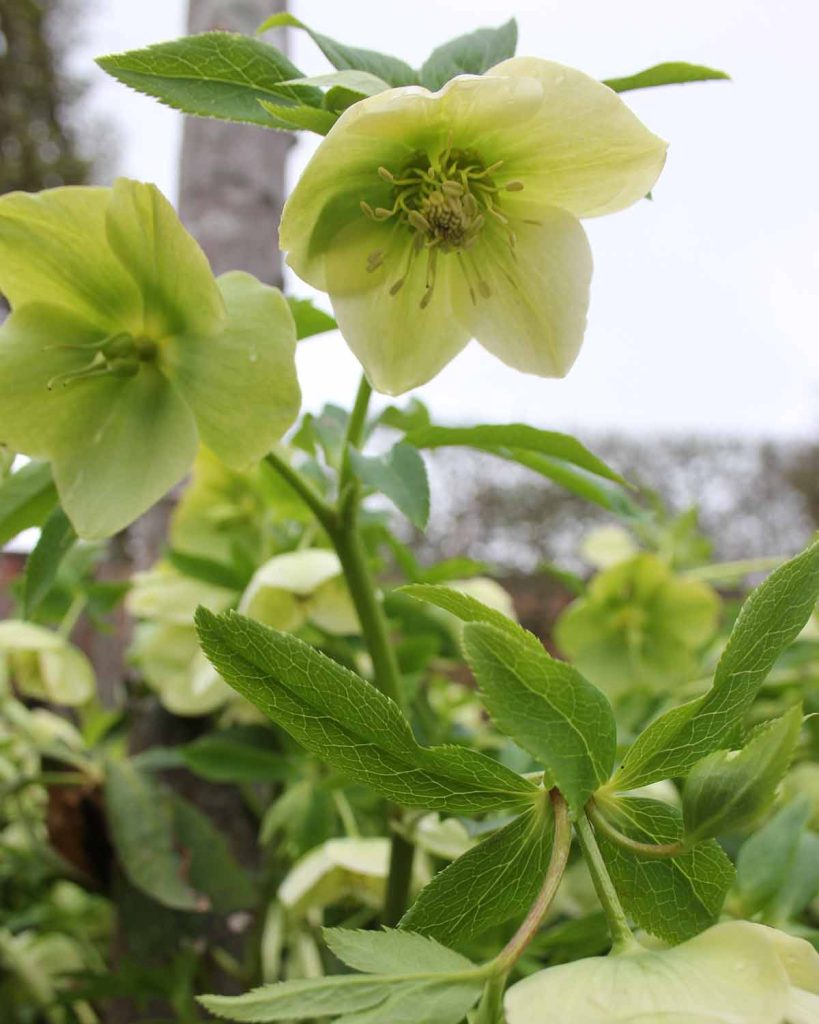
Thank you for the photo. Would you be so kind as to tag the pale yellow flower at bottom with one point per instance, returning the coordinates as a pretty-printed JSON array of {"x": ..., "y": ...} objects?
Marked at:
[{"x": 733, "y": 973}]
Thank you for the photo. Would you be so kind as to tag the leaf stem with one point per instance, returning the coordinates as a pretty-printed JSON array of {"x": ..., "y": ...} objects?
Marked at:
[
  {"x": 650, "y": 851},
  {"x": 324, "y": 512},
  {"x": 561, "y": 844},
  {"x": 622, "y": 938}
]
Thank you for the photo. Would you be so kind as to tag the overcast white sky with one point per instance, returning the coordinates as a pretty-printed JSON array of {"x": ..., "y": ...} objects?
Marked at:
[{"x": 705, "y": 303}]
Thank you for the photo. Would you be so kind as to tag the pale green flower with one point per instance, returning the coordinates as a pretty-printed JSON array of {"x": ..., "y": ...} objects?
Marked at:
[
  {"x": 45, "y": 665},
  {"x": 639, "y": 626},
  {"x": 300, "y": 587},
  {"x": 123, "y": 351},
  {"x": 733, "y": 973},
  {"x": 433, "y": 218},
  {"x": 165, "y": 647}
]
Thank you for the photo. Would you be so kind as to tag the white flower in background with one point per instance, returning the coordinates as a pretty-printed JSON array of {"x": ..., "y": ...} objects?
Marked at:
[
  {"x": 300, "y": 587},
  {"x": 44, "y": 665}
]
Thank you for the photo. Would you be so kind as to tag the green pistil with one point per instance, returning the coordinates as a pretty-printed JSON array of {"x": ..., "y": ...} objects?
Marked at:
[
  {"x": 445, "y": 204},
  {"x": 119, "y": 356}
]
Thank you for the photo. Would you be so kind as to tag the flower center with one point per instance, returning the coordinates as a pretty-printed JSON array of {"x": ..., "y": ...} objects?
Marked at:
[
  {"x": 445, "y": 203},
  {"x": 118, "y": 355}
]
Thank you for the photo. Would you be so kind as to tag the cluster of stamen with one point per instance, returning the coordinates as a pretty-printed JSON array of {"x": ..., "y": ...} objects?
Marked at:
[
  {"x": 445, "y": 203},
  {"x": 118, "y": 355}
]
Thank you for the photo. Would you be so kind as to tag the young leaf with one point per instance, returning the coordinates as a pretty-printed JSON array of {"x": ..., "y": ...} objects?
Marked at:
[
  {"x": 401, "y": 475},
  {"x": 26, "y": 498},
  {"x": 390, "y": 69},
  {"x": 771, "y": 618},
  {"x": 470, "y": 54},
  {"x": 300, "y": 118},
  {"x": 467, "y": 608},
  {"x": 547, "y": 707},
  {"x": 496, "y": 880},
  {"x": 673, "y": 898},
  {"x": 140, "y": 819},
  {"x": 348, "y": 723},
  {"x": 215, "y": 74},
  {"x": 360, "y": 82},
  {"x": 672, "y": 73},
  {"x": 767, "y": 863},
  {"x": 498, "y": 438},
  {"x": 730, "y": 789},
  {"x": 393, "y": 952},
  {"x": 357, "y": 999},
  {"x": 56, "y": 540},
  {"x": 310, "y": 320}
]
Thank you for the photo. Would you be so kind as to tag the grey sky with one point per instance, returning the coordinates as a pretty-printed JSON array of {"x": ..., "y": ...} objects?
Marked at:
[{"x": 705, "y": 303}]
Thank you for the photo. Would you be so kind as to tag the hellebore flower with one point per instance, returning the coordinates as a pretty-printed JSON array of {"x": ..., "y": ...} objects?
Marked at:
[
  {"x": 638, "y": 627},
  {"x": 432, "y": 218},
  {"x": 44, "y": 665},
  {"x": 733, "y": 973},
  {"x": 165, "y": 645},
  {"x": 299, "y": 587},
  {"x": 123, "y": 351}
]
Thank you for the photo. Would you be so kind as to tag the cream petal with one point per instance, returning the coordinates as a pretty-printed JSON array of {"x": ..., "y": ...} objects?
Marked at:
[
  {"x": 585, "y": 151},
  {"x": 385, "y": 130},
  {"x": 535, "y": 314},
  {"x": 400, "y": 344}
]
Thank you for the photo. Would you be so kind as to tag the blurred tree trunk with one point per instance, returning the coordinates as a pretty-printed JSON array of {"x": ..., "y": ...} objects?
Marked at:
[
  {"x": 232, "y": 176},
  {"x": 230, "y": 198}
]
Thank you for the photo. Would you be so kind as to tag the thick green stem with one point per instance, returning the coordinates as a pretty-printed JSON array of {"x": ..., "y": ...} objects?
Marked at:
[
  {"x": 649, "y": 851},
  {"x": 402, "y": 854},
  {"x": 355, "y": 431},
  {"x": 622, "y": 938}
]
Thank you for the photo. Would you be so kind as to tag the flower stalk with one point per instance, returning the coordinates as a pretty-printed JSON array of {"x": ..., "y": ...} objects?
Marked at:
[{"x": 622, "y": 938}]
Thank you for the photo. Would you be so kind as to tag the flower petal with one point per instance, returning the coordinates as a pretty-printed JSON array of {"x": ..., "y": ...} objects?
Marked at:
[
  {"x": 585, "y": 151},
  {"x": 332, "y": 609},
  {"x": 38, "y": 343},
  {"x": 125, "y": 454},
  {"x": 385, "y": 130},
  {"x": 53, "y": 248},
  {"x": 535, "y": 315},
  {"x": 240, "y": 382},
  {"x": 172, "y": 274},
  {"x": 399, "y": 344}
]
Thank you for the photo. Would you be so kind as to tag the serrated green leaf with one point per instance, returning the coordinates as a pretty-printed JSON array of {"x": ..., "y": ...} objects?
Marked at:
[
  {"x": 494, "y": 438},
  {"x": 234, "y": 756},
  {"x": 140, "y": 820},
  {"x": 412, "y": 416},
  {"x": 26, "y": 498},
  {"x": 355, "y": 999},
  {"x": 771, "y": 619},
  {"x": 56, "y": 540},
  {"x": 466, "y": 608},
  {"x": 401, "y": 475},
  {"x": 766, "y": 862},
  {"x": 670, "y": 73},
  {"x": 470, "y": 54},
  {"x": 390, "y": 69},
  {"x": 348, "y": 723},
  {"x": 208, "y": 570},
  {"x": 673, "y": 898},
  {"x": 309, "y": 319},
  {"x": 547, "y": 707},
  {"x": 361, "y": 82},
  {"x": 730, "y": 789},
  {"x": 211, "y": 867},
  {"x": 214, "y": 74},
  {"x": 301, "y": 118},
  {"x": 393, "y": 952},
  {"x": 496, "y": 880}
]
